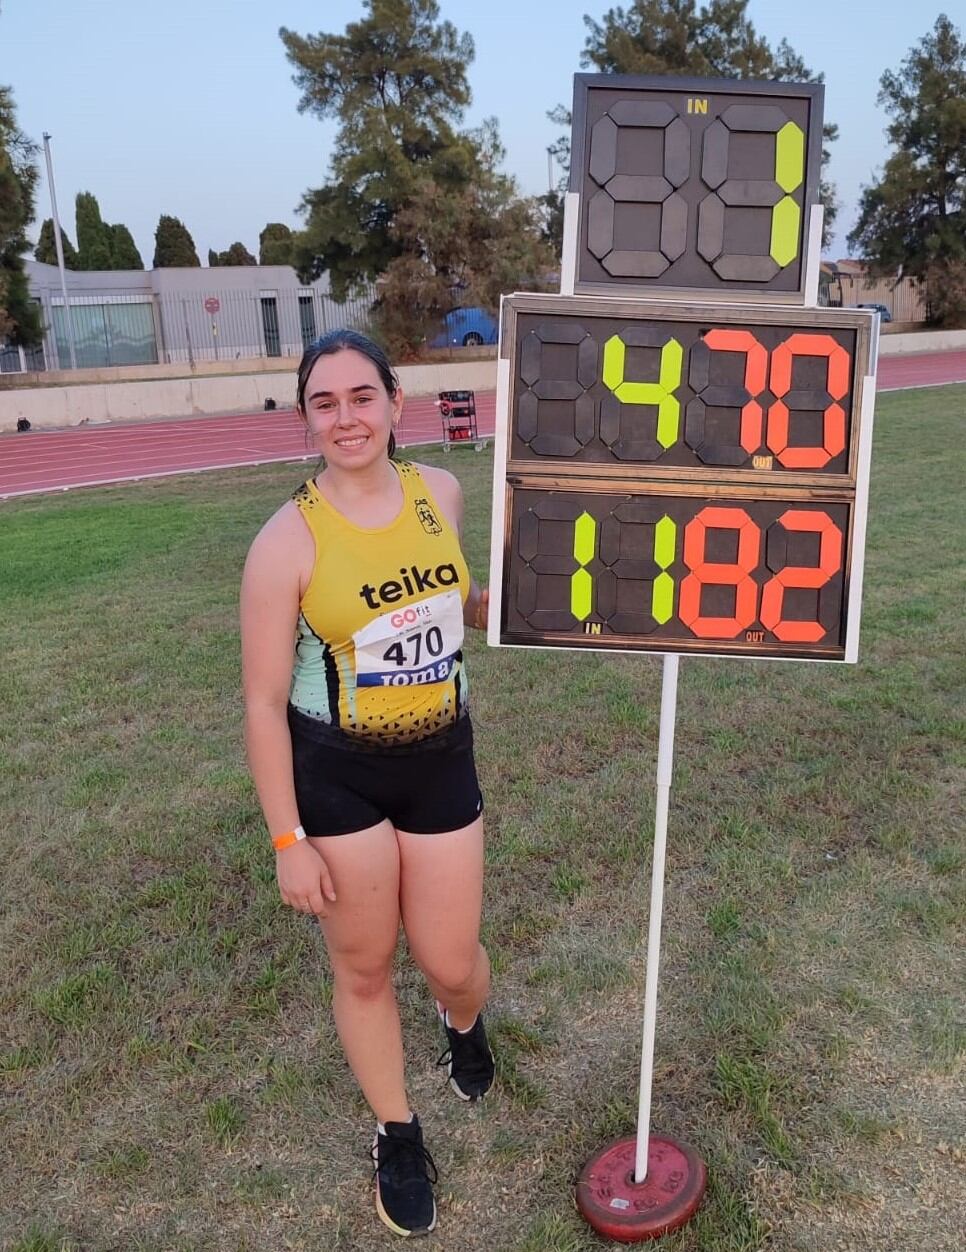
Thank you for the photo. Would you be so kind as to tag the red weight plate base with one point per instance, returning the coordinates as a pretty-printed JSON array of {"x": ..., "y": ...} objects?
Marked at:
[{"x": 618, "y": 1207}]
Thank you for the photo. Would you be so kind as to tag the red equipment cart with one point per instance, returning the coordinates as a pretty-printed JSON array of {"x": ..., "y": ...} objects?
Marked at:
[{"x": 457, "y": 412}]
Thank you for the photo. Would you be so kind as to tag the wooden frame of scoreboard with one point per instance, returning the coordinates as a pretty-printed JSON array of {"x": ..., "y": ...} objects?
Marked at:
[{"x": 683, "y": 446}]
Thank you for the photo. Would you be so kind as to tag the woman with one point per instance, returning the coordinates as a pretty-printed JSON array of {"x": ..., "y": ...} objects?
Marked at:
[{"x": 354, "y": 599}]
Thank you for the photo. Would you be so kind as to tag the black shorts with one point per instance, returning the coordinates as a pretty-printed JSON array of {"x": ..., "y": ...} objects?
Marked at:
[{"x": 425, "y": 787}]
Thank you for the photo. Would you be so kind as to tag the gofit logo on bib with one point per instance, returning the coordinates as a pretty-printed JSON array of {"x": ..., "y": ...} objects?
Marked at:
[{"x": 417, "y": 644}]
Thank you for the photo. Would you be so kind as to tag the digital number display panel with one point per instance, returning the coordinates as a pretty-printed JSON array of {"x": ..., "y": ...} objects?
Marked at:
[
  {"x": 674, "y": 478},
  {"x": 652, "y": 568},
  {"x": 693, "y": 185},
  {"x": 606, "y": 386}
]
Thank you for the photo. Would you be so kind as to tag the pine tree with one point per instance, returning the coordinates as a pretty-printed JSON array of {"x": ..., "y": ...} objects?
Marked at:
[
  {"x": 396, "y": 83},
  {"x": 173, "y": 245},
  {"x": 19, "y": 314},
  {"x": 462, "y": 247},
  {"x": 913, "y": 219},
  {"x": 124, "y": 253},
  {"x": 93, "y": 235},
  {"x": 676, "y": 37},
  {"x": 236, "y": 254},
  {"x": 46, "y": 250},
  {"x": 276, "y": 245},
  {"x": 411, "y": 198}
]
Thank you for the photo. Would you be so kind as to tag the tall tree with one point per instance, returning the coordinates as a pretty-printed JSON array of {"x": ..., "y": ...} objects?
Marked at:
[
  {"x": 913, "y": 220},
  {"x": 551, "y": 209},
  {"x": 396, "y": 83},
  {"x": 460, "y": 247},
  {"x": 101, "y": 246},
  {"x": 93, "y": 234},
  {"x": 124, "y": 252},
  {"x": 276, "y": 245},
  {"x": 173, "y": 245},
  {"x": 677, "y": 37},
  {"x": 46, "y": 249},
  {"x": 19, "y": 315},
  {"x": 236, "y": 254}
]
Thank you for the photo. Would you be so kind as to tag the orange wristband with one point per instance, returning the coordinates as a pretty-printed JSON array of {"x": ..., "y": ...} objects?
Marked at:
[{"x": 285, "y": 841}]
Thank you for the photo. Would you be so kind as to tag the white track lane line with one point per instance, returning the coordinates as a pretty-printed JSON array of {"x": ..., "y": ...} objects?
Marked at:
[{"x": 174, "y": 473}]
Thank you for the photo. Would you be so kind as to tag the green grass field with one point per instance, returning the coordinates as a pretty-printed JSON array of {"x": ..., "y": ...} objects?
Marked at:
[{"x": 169, "y": 1072}]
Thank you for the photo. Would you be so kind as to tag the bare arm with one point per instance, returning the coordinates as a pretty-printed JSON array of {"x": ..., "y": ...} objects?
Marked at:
[{"x": 269, "y": 614}]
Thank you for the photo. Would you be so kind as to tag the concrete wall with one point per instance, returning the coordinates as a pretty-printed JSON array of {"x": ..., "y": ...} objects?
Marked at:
[
  {"x": 900, "y": 344},
  {"x": 109, "y": 401},
  {"x": 144, "y": 373}
]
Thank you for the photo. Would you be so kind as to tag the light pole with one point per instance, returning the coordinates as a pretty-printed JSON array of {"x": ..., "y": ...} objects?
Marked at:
[{"x": 60, "y": 255}]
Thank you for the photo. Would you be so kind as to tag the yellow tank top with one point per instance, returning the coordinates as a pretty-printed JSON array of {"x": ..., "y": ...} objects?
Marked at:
[{"x": 379, "y": 646}]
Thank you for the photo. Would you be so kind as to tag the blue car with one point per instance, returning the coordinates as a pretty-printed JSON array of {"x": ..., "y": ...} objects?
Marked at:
[
  {"x": 883, "y": 310},
  {"x": 466, "y": 328}
]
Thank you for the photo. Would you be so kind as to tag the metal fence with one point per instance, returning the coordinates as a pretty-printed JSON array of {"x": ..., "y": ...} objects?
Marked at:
[
  {"x": 905, "y": 298},
  {"x": 115, "y": 327},
  {"x": 14, "y": 360},
  {"x": 231, "y": 325}
]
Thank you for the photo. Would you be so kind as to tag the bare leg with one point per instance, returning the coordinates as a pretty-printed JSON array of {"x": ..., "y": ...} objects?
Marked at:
[
  {"x": 360, "y": 934},
  {"x": 441, "y": 897}
]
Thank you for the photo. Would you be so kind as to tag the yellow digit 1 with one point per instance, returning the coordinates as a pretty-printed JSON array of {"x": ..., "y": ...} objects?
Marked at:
[
  {"x": 581, "y": 582},
  {"x": 662, "y": 593},
  {"x": 789, "y": 171},
  {"x": 660, "y": 393}
]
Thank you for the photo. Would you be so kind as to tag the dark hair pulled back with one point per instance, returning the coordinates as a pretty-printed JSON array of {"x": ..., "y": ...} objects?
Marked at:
[{"x": 339, "y": 341}]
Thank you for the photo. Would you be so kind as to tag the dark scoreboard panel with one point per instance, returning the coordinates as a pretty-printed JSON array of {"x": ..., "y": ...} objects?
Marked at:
[
  {"x": 679, "y": 478},
  {"x": 652, "y": 568},
  {"x": 685, "y": 391},
  {"x": 694, "y": 184}
]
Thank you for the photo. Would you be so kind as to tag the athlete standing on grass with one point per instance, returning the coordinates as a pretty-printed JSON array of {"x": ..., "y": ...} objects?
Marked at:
[{"x": 354, "y": 600}]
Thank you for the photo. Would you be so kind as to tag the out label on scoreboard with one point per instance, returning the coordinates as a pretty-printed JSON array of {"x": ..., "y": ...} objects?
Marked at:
[
  {"x": 694, "y": 186},
  {"x": 679, "y": 478}
]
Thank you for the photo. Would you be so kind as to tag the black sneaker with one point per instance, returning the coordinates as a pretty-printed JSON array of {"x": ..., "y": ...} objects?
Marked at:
[
  {"x": 468, "y": 1059},
  {"x": 404, "y": 1173}
]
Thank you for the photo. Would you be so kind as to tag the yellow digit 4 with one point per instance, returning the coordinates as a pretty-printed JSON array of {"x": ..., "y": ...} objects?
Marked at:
[{"x": 660, "y": 393}]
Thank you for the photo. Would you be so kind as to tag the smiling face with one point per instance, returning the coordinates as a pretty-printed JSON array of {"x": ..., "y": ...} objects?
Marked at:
[{"x": 348, "y": 410}]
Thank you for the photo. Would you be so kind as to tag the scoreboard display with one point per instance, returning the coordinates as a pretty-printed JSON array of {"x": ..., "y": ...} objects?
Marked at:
[
  {"x": 679, "y": 478},
  {"x": 694, "y": 185},
  {"x": 683, "y": 390},
  {"x": 683, "y": 442}
]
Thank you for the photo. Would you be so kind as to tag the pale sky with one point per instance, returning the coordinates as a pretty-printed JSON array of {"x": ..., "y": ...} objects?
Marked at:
[{"x": 188, "y": 107}]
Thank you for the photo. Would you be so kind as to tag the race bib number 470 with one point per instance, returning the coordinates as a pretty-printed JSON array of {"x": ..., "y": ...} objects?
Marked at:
[{"x": 415, "y": 644}]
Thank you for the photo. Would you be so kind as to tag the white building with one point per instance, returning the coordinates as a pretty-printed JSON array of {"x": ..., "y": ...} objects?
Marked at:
[{"x": 139, "y": 317}]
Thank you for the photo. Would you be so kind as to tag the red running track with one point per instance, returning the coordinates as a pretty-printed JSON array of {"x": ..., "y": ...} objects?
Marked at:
[
  {"x": 92, "y": 456},
  {"x": 85, "y": 456}
]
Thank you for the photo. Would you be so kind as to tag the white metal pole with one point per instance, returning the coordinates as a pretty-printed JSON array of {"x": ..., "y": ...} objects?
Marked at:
[
  {"x": 60, "y": 253},
  {"x": 665, "y": 759}
]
